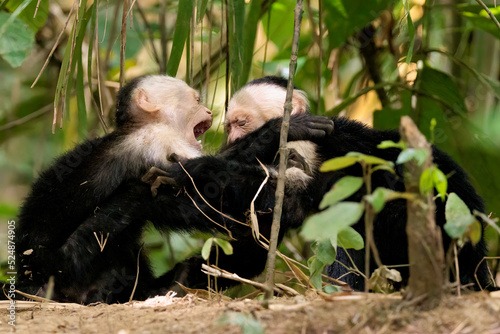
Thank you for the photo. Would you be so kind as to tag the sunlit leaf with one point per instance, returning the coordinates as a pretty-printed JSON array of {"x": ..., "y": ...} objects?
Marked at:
[
  {"x": 342, "y": 189},
  {"x": 226, "y": 246},
  {"x": 207, "y": 247},
  {"x": 440, "y": 182},
  {"x": 458, "y": 216},
  {"x": 337, "y": 163},
  {"x": 369, "y": 159},
  {"x": 389, "y": 143},
  {"x": 426, "y": 183}
]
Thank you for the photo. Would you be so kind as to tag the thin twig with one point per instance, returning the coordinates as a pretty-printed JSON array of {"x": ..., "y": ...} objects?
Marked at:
[
  {"x": 204, "y": 200},
  {"x": 492, "y": 16},
  {"x": 123, "y": 43},
  {"x": 280, "y": 188},
  {"x": 56, "y": 44},
  {"x": 137, "y": 275},
  {"x": 253, "y": 215},
  {"x": 26, "y": 118},
  {"x": 206, "y": 216},
  {"x": 217, "y": 272}
]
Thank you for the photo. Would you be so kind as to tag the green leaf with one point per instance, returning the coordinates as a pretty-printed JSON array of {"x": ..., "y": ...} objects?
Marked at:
[
  {"x": 247, "y": 323},
  {"x": 181, "y": 33},
  {"x": 442, "y": 87},
  {"x": 474, "y": 232},
  {"x": 27, "y": 14},
  {"x": 478, "y": 17},
  {"x": 377, "y": 199},
  {"x": 325, "y": 251},
  {"x": 389, "y": 143},
  {"x": 418, "y": 154},
  {"x": 458, "y": 216},
  {"x": 315, "y": 270},
  {"x": 350, "y": 238},
  {"x": 249, "y": 34},
  {"x": 226, "y": 246},
  {"x": 328, "y": 223},
  {"x": 330, "y": 288},
  {"x": 207, "y": 247},
  {"x": 381, "y": 196},
  {"x": 17, "y": 41},
  {"x": 342, "y": 189},
  {"x": 426, "y": 184},
  {"x": 369, "y": 159},
  {"x": 411, "y": 31},
  {"x": 440, "y": 182},
  {"x": 202, "y": 8},
  {"x": 345, "y": 17},
  {"x": 337, "y": 163},
  {"x": 236, "y": 12}
]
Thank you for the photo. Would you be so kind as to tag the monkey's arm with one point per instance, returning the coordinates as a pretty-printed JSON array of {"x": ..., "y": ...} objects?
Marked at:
[{"x": 264, "y": 142}]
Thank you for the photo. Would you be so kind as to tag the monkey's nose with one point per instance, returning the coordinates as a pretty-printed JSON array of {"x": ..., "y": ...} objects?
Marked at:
[{"x": 208, "y": 112}]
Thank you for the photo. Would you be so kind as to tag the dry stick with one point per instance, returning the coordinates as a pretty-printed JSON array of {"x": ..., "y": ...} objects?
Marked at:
[
  {"x": 457, "y": 267},
  {"x": 56, "y": 44},
  {"x": 217, "y": 272},
  {"x": 477, "y": 267},
  {"x": 123, "y": 43},
  {"x": 100, "y": 113},
  {"x": 226, "y": 101},
  {"x": 280, "y": 188}
]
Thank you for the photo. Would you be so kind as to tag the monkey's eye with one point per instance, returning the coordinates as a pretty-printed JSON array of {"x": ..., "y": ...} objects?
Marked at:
[
  {"x": 198, "y": 99},
  {"x": 241, "y": 122}
]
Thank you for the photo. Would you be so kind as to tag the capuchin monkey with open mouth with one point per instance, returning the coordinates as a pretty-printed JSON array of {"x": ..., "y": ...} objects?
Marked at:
[
  {"x": 61, "y": 231},
  {"x": 262, "y": 100}
]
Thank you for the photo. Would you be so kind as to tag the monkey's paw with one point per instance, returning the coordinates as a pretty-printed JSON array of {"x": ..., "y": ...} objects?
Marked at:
[{"x": 156, "y": 177}]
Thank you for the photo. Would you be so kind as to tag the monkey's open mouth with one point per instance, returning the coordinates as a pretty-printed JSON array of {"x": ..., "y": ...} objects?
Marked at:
[{"x": 201, "y": 128}]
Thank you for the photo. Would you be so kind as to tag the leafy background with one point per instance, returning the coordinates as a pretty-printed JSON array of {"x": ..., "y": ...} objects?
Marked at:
[{"x": 369, "y": 60}]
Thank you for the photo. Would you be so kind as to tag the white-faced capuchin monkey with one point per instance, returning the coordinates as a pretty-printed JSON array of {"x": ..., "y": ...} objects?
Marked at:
[
  {"x": 61, "y": 231},
  {"x": 262, "y": 101}
]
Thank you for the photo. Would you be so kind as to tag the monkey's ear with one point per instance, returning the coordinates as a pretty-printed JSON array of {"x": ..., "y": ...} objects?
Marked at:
[
  {"x": 300, "y": 104},
  {"x": 141, "y": 100}
]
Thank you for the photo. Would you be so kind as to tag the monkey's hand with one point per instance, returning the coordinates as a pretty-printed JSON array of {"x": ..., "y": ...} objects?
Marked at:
[
  {"x": 309, "y": 127},
  {"x": 156, "y": 177}
]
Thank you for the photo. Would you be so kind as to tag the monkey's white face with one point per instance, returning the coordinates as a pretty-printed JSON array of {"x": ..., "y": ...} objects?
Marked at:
[
  {"x": 253, "y": 105},
  {"x": 172, "y": 102}
]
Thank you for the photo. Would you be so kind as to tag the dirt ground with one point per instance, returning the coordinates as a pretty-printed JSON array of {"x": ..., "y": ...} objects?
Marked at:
[{"x": 359, "y": 313}]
